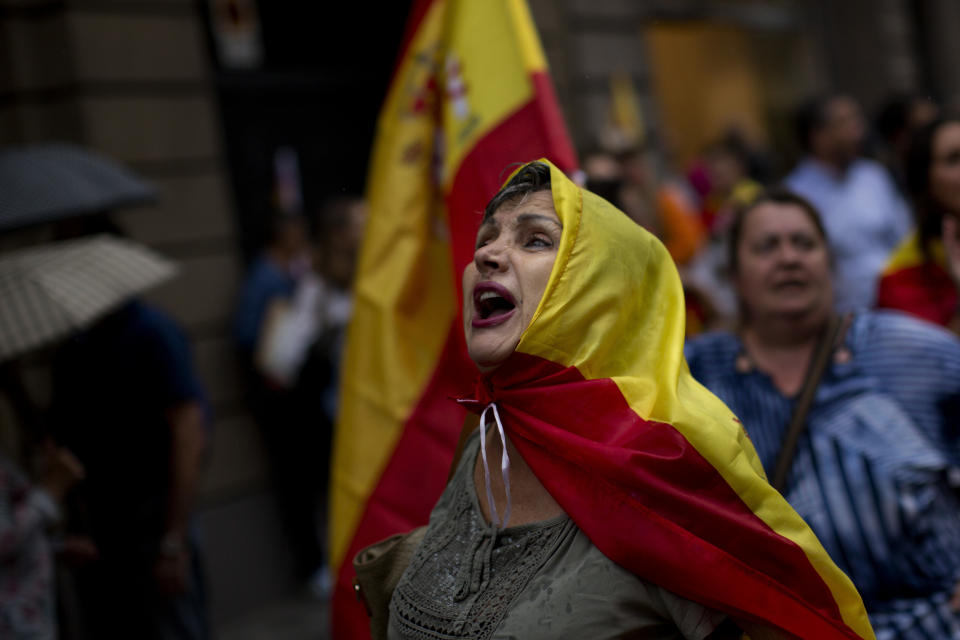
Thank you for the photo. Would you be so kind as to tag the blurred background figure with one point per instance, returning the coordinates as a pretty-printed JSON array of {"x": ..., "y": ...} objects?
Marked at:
[
  {"x": 303, "y": 343},
  {"x": 299, "y": 293},
  {"x": 636, "y": 181},
  {"x": 864, "y": 214},
  {"x": 923, "y": 274},
  {"x": 604, "y": 175},
  {"x": 896, "y": 120},
  {"x": 727, "y": 186},
  {"x": 278, "y": 280},
  {"x": 123, "y": 397},
  {"x": 127, "y": 401},
  {"x": 874, "y": 469},
  {"x": 660, "y": 202},
  {"x": 730, "y": 183},
  {"x": 273, "y": 275},
  {"x": 340, "y": 230},
  {"x": 273, "y": 344},
  {"x": 28, "y": 513}
]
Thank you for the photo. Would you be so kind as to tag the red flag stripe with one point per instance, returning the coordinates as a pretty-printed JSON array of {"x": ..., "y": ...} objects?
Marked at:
[
  {"x": 663, "y": 500},
  {"x": 925, "y": 290},
  {"x": 414, "y": 477},
  {"x": 412, "y": 481},
  {"x": 518, "y": 139}
]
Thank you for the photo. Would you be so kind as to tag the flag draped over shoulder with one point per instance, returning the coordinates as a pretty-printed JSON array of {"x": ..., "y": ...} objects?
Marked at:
[
  {"x": 470, "y": 96},
  {"x": 917, "y": 283},
  {"x": 654, "y": 468}
]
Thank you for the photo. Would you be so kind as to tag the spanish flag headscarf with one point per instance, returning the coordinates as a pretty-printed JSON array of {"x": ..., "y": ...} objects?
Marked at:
[{"x": 655, "y": 469}]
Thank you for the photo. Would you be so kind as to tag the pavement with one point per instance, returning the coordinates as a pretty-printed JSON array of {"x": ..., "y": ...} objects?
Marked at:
[{"x": 296, "y": 617}]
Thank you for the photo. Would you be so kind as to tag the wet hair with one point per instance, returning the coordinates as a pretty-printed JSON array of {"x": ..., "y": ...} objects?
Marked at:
[
  {"x": 774, "y": 195},
  {"x": 926, "y": 211},
  {"x": 533, "y": 177}
]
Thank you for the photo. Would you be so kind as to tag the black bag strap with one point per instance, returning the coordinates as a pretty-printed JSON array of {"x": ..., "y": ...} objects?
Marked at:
[{"x": 830, "y": 339}]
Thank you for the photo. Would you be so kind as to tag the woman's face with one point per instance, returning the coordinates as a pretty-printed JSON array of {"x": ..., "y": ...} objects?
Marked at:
[
  {"x": 783, "y": 263},
  {"x": 516, "y": 249},
  {"x": 945, "y": 167}
]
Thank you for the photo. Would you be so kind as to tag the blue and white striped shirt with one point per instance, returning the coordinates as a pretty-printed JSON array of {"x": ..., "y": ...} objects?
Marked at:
[{"x": 875, "y": 473}]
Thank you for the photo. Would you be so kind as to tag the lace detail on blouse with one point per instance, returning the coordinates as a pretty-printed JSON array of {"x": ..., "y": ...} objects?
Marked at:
[{"x": 466, "y": 573}]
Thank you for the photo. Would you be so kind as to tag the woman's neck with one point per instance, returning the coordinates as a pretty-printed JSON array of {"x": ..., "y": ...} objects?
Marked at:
[
  {"x": 782, "y": 349},
  {"x": 786, "y": 332},
  {"x": 531, "y": 501}
]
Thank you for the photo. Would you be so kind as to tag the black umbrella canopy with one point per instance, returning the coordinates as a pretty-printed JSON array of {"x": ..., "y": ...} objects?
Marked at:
[{"x": 50, "y": 182}]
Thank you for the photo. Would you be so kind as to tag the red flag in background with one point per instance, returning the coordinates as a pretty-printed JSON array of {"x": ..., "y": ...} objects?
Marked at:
[
  {"x": 919, "y": 283},
  {"x": 471, "y": 95}
]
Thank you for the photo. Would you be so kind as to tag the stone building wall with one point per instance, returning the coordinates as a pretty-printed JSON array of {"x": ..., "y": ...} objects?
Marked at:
[
  {"x": 865, "y": 47},
  {"x": 131, "y": 79}
]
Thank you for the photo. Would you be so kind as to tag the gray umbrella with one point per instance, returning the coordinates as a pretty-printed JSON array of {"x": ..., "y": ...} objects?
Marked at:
[{"x": 44, "y": 183}]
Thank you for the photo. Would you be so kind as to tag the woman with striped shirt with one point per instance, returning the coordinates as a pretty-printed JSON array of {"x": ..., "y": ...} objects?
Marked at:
[{"x": 877, "y": 469}]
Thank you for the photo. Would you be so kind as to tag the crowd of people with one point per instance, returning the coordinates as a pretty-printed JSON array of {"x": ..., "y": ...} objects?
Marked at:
[
  {"x": 119, "y": 451},
  {"x": 869, "y": 244},
  {"x": 290, "y": 328},
  {"x": 881, "y": 192},
  {"x": 103, "y": 541},
  {"x": 821, "y": 310},
  {"x": 874, "y": 239},
  {"x": 853, "y": 256}
]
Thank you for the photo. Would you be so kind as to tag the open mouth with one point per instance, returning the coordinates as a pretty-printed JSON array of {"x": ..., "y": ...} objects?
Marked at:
[{"x": 492, "y": 304}]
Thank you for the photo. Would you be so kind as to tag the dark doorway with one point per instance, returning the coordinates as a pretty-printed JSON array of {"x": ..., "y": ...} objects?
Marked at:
[{"x": 322, "y": 75}]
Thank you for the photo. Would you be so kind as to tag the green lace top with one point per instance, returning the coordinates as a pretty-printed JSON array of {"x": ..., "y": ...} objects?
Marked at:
[{"x": 539, "y": 580}]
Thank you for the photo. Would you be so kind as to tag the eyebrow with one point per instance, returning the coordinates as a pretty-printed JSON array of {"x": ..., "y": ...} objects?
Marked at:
[
  {"x": 523, "y": 217},
  {"x": 526, "y": 217}
]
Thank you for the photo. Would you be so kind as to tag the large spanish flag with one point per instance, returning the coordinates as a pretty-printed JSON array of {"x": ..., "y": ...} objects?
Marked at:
[
  {"x": 470, "y": 96},
  {"x": 654, "y": 468}
]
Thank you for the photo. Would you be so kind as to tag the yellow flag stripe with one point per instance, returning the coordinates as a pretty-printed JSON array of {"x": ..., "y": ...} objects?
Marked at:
[
  {"x": 403, "y": 292},
  {"x": 580, "y": 310}
]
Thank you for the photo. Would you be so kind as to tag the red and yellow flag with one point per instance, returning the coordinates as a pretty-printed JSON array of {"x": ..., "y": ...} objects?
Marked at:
[
  {"x": 470, "y": 96},
  {"x": 649, "y": 464},
  {"x": 917, "y": 283}
]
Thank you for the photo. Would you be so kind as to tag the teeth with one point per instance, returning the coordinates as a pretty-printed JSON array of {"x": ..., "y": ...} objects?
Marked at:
[{"x": 487, "y": 295}]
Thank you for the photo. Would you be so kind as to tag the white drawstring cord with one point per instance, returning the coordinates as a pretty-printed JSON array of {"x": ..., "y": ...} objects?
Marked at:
[{"x": 504, "y": 465}]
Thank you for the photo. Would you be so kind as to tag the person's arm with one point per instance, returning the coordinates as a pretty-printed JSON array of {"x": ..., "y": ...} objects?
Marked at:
[
  {"x": 188, "y": 438},
  {"x": 290, "y": 327},
  {"x": 188, "y": 445},
  {"x": 178, "y": 390},
  {"x": 26, "y": 511}
]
